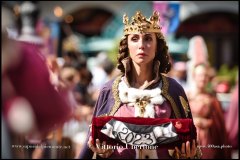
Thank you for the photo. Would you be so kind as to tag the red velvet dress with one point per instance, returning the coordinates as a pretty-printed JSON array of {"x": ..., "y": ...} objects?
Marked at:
[{"x": 209, "y": 120}]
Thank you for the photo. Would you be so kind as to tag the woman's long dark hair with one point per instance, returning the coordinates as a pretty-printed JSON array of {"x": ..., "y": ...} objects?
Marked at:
[{"x": 162, "y": 54}]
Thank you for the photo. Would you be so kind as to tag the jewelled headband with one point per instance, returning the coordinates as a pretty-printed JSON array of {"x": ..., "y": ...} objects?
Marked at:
[{"x": 141, "y": 24}]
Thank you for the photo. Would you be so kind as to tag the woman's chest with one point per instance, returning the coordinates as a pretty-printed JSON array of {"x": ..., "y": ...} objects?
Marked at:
[{"x": 159, "y": 110}]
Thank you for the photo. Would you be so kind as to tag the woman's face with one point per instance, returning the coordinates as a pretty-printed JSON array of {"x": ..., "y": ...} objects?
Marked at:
[
  {"x": 142, "y": 47},
  {"x": 201, "y": 76}
]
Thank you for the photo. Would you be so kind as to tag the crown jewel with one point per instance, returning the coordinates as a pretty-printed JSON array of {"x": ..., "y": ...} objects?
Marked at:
[{"x": 141, "y": 24}]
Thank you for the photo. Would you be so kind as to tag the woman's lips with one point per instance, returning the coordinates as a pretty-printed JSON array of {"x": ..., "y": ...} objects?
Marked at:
[{"x": 141, "y": 54}]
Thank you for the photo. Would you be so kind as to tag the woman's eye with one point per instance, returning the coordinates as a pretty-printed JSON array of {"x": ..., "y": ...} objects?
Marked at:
[
  {"x": 134, "y": 38},
  {"x": 148, "y": 38}
]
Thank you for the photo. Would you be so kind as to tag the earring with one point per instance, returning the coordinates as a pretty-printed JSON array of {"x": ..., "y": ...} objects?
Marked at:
[{"x": 157, "y": 61}]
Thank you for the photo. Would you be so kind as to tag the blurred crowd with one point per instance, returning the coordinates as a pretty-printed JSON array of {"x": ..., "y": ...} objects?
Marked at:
[{"x": 48, "y": 101}]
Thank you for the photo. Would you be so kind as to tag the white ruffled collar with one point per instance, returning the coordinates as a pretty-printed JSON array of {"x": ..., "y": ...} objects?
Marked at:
[{"x": 142, "y": 99}]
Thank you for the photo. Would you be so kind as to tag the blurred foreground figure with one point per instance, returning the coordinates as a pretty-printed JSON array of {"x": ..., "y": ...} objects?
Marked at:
[
  {"x": 31, "y": 106},
  {"x": 32, "y": 91}
]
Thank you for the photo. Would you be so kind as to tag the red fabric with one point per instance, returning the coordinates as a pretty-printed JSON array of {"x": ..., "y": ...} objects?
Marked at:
[
  {"x": 187, "y": 132},
  {"x": 30, "y": 79}
]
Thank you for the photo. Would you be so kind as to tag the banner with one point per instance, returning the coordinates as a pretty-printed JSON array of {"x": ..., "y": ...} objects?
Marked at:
[
  {"x": 140, "y": 134},
  {"x": 169, "y": 15}
]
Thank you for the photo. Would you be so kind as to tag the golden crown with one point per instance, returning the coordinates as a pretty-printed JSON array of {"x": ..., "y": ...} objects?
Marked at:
[{"x": 141, "y": 24}]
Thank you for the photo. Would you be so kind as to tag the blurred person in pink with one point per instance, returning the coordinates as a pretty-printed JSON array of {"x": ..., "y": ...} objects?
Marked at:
[
  {"x": 31, "y": 106},
  {"x": 48, "y": 106},
  {"x": 208, "y": 116},
  {"x": 231, "y": 120}
]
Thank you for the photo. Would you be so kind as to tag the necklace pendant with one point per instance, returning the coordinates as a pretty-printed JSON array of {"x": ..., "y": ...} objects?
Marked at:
[{"x": 142, "y": 103}]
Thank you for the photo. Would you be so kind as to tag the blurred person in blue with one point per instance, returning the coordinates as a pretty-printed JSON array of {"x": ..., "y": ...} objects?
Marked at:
[{"x": 179, "y": 73}]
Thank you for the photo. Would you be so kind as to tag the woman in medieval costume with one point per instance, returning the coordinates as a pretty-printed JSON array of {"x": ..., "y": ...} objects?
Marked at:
[{"x": 142, "y": 90}]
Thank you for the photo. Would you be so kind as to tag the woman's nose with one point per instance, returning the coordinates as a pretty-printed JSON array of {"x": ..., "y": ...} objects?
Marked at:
[{"x": 141, "y": 44}]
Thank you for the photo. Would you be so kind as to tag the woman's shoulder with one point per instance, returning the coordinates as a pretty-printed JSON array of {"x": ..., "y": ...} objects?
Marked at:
[
  {"x": 171, "y": 81},
  {"x": 108, "y": 85},
  {"x": 172, "y": 87}
]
